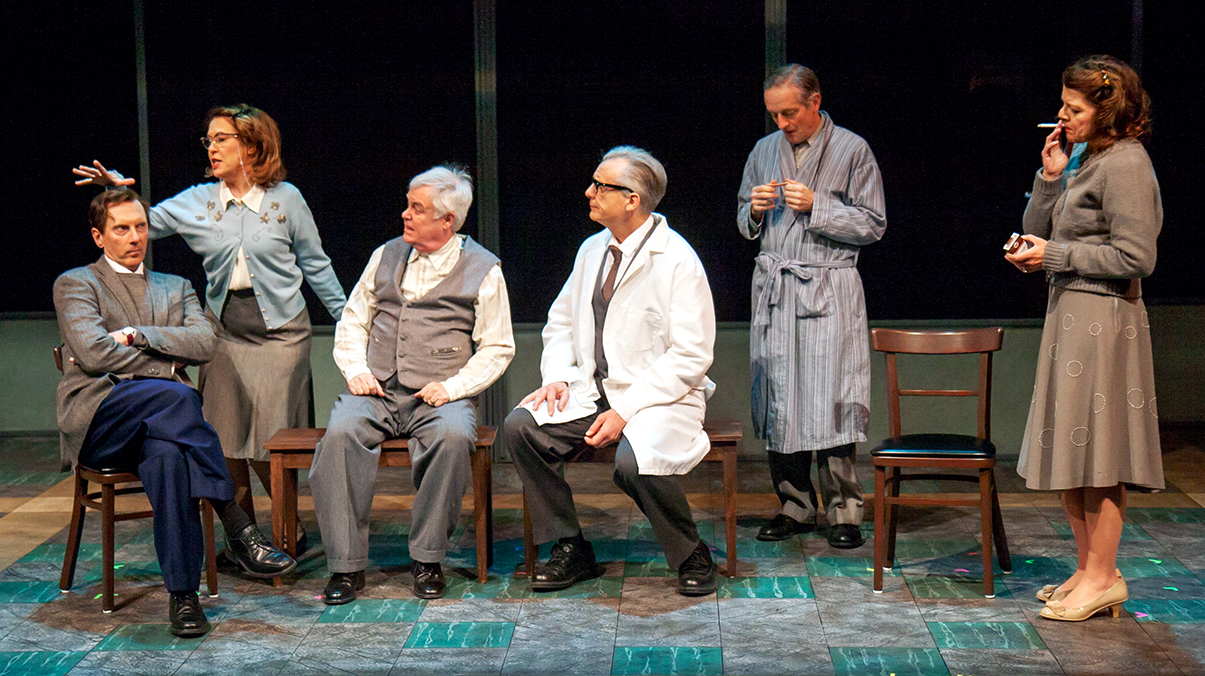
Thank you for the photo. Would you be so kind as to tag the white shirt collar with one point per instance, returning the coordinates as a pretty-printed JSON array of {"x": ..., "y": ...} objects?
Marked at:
[
  {"x": 123, "y": 270},
  {"x": 441, "y": 258},
  {"x": 632, "y": 242},
  {"x": 252, "y": 199}
]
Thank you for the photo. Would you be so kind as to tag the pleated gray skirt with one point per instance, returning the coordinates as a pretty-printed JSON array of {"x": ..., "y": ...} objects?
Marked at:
[
  {"x": 1093, "y": 421},
  {"x": 259, "y": 380}
]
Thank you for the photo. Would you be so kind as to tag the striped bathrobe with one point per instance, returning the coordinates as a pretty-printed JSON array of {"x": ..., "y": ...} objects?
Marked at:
[{"x": 808, "y": 348}]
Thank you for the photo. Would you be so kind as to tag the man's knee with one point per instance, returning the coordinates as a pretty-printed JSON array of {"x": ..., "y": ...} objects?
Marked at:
[
  {"x": 517, "y": 428},
  {"x": 627, "y": 469}
]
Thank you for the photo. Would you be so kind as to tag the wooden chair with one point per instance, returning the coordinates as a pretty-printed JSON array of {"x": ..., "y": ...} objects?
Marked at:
[
  {"x": 113, "y": 483},
  {"x": 293, "y": 449},
  {"x": 942, "y": 451},
  {"x": 725, "y": 436}
]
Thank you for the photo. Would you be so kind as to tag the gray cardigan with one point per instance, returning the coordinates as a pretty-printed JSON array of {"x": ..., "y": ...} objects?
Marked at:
[
  {"x": 91, "y": 302},
  {"x": 1101, "y": 220}
]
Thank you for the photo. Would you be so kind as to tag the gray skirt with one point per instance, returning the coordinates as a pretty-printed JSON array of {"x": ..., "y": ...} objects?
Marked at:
[
  {"x": 259, "y": 380},
  {"x": 1093, "y": 420}
]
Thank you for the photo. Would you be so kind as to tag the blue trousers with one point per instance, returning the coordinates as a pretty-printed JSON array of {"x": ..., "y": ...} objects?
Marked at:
[{"x": 154, "y": 428}]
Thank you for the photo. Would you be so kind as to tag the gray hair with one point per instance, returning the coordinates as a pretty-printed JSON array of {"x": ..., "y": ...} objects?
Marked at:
[
  {"x": 451, "y": 191},
  {"x": 794, "y": 75},
  {"x": 643, "y": 173}
]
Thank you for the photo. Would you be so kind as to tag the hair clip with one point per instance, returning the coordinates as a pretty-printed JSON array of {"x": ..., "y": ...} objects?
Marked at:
[{"x": 1104, "y": 75}]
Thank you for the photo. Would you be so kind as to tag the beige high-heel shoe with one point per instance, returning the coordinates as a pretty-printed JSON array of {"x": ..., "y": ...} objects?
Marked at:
[
  {"x": 1110, "y": 600},
  {"x": 1051, "y": 592}
]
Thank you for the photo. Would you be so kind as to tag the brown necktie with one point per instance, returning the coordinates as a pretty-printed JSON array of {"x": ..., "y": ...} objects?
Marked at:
[{"x": 608, "y": 289}]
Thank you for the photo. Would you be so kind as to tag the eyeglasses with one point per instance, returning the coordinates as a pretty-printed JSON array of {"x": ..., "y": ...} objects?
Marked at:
[
  {"x": 598, "y": 185},
  {"x": 219, "y": 139}
]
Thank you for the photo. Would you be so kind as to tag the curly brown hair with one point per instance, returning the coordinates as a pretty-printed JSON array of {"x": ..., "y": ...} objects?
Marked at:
[
  {"x": 1123, "y": 108},
  {"x": 259, "y": 131}
]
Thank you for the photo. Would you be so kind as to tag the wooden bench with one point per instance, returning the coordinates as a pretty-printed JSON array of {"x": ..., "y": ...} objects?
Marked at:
[
  {"x": 725, "y": 436},
  {"x": 293, "y": 449}
]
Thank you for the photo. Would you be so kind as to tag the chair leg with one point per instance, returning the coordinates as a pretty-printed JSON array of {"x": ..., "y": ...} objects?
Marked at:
[
  {"x": 730, "y": 507},
  {"x": 529, "y": 541},
  {"x": 489, "y": 507},
  {"x": 985, "y": 518},
  {"x": 894, "y": 477},
  {"x": 480, "y": 478},
  {"x": 211, "y": 549},
  {"x": 74, "y": 534},
  {"x": 880, "y": 532},
  {"x": 108, "y": 518},
  {"x": 1002, "y": 554}
]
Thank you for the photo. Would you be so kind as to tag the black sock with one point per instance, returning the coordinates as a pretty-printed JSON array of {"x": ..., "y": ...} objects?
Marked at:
[
  {"x": 578, "y": 539},
  {"x": 233, "y": 518}
]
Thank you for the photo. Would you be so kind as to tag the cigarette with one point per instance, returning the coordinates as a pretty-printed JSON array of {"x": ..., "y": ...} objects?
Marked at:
[
  {"x": 776, "y": 184},
  {"x": 1048, "y": 125}
]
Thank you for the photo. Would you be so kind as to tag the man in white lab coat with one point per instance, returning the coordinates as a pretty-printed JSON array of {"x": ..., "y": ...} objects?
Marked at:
[{"x": 627, "y": 346}]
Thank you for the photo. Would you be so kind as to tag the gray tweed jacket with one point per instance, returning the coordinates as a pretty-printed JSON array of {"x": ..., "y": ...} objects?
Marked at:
[{"x": 90, "y": 302}]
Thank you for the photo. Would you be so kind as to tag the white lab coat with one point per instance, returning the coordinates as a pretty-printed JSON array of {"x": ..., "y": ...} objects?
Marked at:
[{"x": 659, "y": 340}]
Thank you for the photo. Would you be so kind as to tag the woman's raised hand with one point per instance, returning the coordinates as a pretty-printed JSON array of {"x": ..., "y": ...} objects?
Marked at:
[
  {"x": 98, "y": 175},
  {"x": 1054, "y": 159}
]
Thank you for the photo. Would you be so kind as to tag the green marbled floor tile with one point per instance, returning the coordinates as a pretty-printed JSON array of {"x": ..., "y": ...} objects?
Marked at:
[
  {"x": 750, "y": 548},
  {"x": 38, "y": 663},
  {"x": 1150, "y": 567},
  {"x": 31, "y": 478},
  {"x": 894, "y": 661},
  {"x": 22, "y": 591},
  {"x": 986, "y": 635},
  {"x": 952, "y": 587},
  {"x": 88, "y": 551},
  {"x": 146, "y": 637},
  {"x": 655, "y": 567},
  {"x": 496, "y": 587},
  {"x": 1043, "y": 567},
  {"x": 766, "y": 588},
  {"x": 1184, "y": 611},
  {"x": 1165, "y": 515},
  {"x": 1129, "y": 531},
  {"x": 667, "y": 660},
  {"x": 845, "y": 566},
  {"x": 930, "y": 548},
  {"x": 461, "y": 635},
  {"x": 374, "y": 610}
]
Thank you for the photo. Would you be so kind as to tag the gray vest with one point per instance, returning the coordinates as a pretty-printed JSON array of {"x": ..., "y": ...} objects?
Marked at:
[{"x": 430, "y": 338}]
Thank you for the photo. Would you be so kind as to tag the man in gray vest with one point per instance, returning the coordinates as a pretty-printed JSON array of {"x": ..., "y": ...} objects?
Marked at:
[{"x": 426, "y": 328}]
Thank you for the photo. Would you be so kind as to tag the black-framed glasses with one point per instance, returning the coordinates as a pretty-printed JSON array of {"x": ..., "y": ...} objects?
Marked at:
[
  {"x": 600, "y": 184},
  {"x": 219, "y": 139}
]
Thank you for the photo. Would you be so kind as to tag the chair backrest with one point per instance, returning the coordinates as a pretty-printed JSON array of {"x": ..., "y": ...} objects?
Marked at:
[{"x": 972, "y": 341}]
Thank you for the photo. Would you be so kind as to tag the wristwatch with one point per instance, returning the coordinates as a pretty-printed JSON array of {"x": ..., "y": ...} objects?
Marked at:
[{"x": 129, "y": 332}]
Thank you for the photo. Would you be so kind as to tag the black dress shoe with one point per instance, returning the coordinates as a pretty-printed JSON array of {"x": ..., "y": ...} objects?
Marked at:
[
  {"x": 429, "y": 580},
  {"x": 572, "y": 561},
  {"x": 254, "y": 554},
  {"x": 188, "y": 620},
  {"x": 845, "y": 536},
  {"x": 782, "y": 527},
  {"x": 696, "y": 575},
  {"x": 342, "y": 588}
]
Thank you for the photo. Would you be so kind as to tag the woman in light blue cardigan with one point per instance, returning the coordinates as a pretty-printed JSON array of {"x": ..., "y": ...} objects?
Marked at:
[{"x": 258, "y": 240}]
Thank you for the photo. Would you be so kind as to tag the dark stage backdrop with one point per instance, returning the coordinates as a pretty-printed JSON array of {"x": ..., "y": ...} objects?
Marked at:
[{"x": 368, "y": 94}]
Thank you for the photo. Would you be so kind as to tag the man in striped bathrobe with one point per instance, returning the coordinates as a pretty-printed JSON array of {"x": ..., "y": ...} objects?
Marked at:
[{"x": 813, "y": 194}]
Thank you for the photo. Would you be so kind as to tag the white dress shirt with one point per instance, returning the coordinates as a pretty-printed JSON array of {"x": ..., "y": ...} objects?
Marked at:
[
  {"x": 123, "y": 270},
  {"x": 492, "y": 333},
  {"x": 252, "y": 199}
]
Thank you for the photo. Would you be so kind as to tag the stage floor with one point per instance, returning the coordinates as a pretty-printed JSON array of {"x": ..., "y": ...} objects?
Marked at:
[{"x": 800, "y": 606}]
